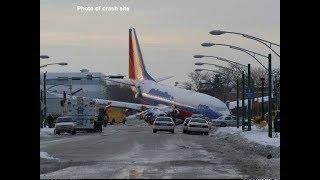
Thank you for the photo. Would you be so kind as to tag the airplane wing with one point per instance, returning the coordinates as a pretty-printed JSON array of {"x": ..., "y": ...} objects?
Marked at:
[
  {"x": 163, "y": 78},
  {"x": 104, "y": 102},
  {"x": 233, "y": 104},
  {"x": 155, "y": 110}
]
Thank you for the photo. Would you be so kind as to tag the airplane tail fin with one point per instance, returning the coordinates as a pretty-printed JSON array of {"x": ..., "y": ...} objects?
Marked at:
[{"x": 137, "y": 69}]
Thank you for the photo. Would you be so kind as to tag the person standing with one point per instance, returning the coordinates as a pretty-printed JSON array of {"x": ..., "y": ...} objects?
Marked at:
[{"x": 50, "y": 120}]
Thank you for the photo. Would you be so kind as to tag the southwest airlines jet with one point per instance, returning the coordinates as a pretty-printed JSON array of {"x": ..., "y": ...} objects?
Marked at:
[
  {"x": 157, "y": 97},
  {"x": 150, "y": 92}
]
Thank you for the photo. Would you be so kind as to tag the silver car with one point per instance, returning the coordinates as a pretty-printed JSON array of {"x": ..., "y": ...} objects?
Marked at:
[
  {"x": 229, "y": 120},
  {"x": 199, "y": 125},
  {"x": 163, "y": 124}
]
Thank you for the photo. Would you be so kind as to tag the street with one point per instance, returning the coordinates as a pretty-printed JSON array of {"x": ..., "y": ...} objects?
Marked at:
[{"x": 133, "y": 151}]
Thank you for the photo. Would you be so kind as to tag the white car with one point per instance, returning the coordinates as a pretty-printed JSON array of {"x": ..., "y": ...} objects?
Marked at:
[
  {"x": 163, "y": 124},
  {"x": 199, "y": 125},
  {"x": 229, "y": 120},
  {"x": 204, "y": 117},
  {"x": 65, "y": 124}
]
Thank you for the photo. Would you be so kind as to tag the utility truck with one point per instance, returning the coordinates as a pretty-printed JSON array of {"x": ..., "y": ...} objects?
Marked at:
[{"x": 84, "y": 115}]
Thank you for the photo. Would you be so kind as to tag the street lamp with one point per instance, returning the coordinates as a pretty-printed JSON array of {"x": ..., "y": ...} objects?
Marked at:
[
  {"x": 264, "y": 42},
  {"x": 60, "y": 63},
  {"x": 44, "y": 57},
  {"x": 221, "y": 59},
  {"x": 253, "y": 54},
  {"x": 218, "y": 66}
]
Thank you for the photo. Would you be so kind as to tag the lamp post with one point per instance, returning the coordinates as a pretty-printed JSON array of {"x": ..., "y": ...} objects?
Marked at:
[
  {"x": 44, "y": 95},
  {"x": 222, "y": 59},
  {"x": 249, "y": 98},
  {"x": 253, "y": 54},
  {"x": 243, "y": 110},
  {"x": 250, "y": 53},
  {"x": 60, "y": 63},
  {"x": 269, "y": 98},
  {"x": 218, "y": 66},
  {"x": 262, "y": 41},
  {"x": 237, "y": 101}
]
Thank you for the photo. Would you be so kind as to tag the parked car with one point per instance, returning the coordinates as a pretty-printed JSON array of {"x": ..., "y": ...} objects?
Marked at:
[
  {"x": 163, "y": 124},
  {"x": 199, "y": 125},
  {"x": 65, "y": 124},
  {"x": 228, "y": 120},
  {"x": 204, "y": 117}
]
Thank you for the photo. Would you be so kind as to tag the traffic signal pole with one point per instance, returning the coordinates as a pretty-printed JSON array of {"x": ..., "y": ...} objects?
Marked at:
[
  {"x": 243, "y": 98},
  {"x": 262, "y": 100}
]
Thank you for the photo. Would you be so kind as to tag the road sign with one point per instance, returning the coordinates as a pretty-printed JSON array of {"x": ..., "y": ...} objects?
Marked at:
[
  {"x": 249, "y": 93},
  {"x": 248, "y": 90}
]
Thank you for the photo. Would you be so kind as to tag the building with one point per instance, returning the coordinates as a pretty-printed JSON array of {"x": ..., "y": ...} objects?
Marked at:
[{"x": 93, "y": 85}]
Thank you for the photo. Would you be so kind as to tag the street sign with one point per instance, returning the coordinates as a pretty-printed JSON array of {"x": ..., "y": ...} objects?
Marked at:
[
  {"x": 249, "y": 93},
  {"x": 248, "y": 90}
]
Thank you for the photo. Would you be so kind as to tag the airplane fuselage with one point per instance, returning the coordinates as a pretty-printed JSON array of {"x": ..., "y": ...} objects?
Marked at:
[{"x": 153, "y": 93}]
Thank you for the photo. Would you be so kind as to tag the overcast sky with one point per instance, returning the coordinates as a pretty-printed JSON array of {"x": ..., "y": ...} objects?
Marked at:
[{"x": 170, "y": 33}]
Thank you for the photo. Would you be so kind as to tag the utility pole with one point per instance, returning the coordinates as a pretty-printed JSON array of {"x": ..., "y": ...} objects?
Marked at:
[
  {"x": 262, "y": 98},
  {"x": 243, "y": 98},
  {"x": 237, "y": 101},
  {"x": 270, "y": 99},
  {"x": 44, "y": 95},
  {"x": 249, "y": 98}
]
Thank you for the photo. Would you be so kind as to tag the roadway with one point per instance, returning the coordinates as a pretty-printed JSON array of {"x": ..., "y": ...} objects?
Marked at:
[{"x": 133, "y": 151}]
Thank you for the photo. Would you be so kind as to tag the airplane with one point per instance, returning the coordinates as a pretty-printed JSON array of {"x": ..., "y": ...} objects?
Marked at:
[
  {"x": 156, "y": 98},
  {"x": 149, "y": 91}
]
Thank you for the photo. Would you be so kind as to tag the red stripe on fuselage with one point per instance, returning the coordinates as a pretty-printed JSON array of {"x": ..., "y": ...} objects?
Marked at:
[
  {"x": 131, "y": 60},
  {"x": 183, "y": 114}
]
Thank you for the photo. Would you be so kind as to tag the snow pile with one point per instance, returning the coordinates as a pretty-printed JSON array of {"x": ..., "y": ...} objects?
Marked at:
[
  {"x": 258, "y": 135},
  {"x": 133, "y": 121},
  {"x": 45, "y": 155},
  {"x": 45, "y": 132}
]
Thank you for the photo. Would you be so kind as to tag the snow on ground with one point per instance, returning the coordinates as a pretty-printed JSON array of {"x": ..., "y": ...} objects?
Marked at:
[
  {"x": 132, "y": 120},
  {"x": 45, "y": 155},
  {"x": 45, "y": 132},
  {"x": 258, "y": 135}
]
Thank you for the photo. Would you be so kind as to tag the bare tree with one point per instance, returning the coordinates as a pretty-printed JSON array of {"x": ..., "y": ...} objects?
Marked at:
[{"x": 224, "y": 86}]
